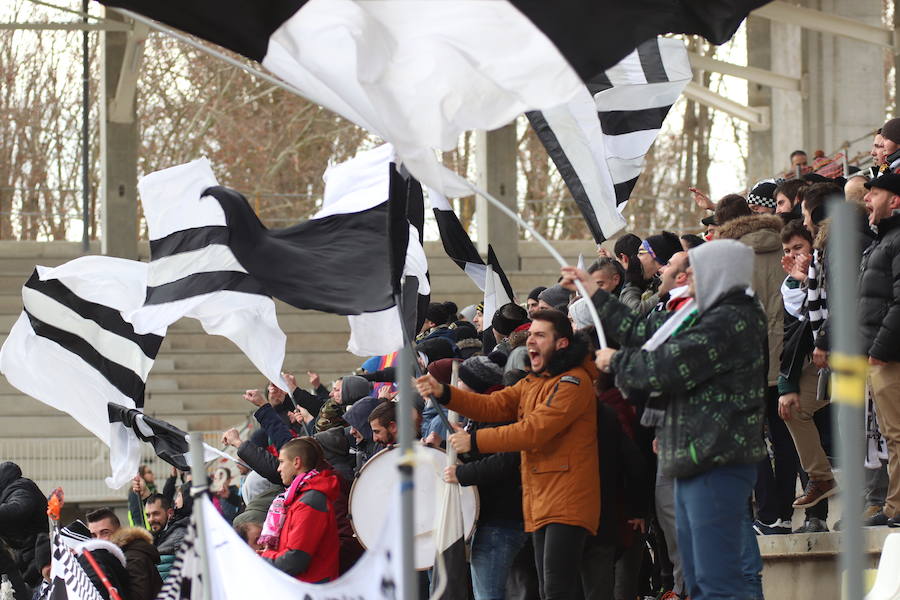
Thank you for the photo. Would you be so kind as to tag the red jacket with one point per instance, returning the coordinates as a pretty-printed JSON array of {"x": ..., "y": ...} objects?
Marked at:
[{"x": 308, "y": 547}]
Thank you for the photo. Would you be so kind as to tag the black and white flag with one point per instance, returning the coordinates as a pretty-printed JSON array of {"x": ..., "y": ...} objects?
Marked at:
[
  {"x": 459, "y": 246},
  {"x": 170, "y": 443},
  {"x": 598, "y": 141},
  {"x": 72, "y": 347},
  {"x": 68, "y": 581},
  {"x": 473, "y": 65}
]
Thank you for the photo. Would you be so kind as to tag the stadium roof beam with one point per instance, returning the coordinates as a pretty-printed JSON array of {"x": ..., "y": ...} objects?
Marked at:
[
  {"x": 757, "y": 117},
  {"x": 816, "y": 20},
  {"x": 753, "y": 74}
]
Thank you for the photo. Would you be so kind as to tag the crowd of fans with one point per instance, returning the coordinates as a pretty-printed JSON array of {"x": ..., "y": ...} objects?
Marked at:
[{"x": 642, "y": 469}]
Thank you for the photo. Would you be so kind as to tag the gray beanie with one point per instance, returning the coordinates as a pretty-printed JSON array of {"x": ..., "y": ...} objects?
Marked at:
[
  {"x": 483, "y": 372},
  {"x": 354, "y": 387},
  {"x": 556, "y": 296}
]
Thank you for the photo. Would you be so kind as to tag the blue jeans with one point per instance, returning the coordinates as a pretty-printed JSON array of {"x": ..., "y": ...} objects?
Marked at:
[
  {"x": 494, "y": 548},
  {"x": 719, "y": 552}
]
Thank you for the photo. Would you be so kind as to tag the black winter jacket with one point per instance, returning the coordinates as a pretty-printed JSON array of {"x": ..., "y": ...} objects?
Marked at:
[
  {"x": 23, "y": 516},
  {"x": 879, "y": 293},
  {"x": 499, "y": 484}
]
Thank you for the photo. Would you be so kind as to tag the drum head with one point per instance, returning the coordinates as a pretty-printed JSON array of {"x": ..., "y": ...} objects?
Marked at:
[{"x": 379, "y": 480}]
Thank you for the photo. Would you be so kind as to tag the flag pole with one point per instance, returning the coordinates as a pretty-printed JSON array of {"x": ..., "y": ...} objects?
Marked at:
[
  {"x": 405, "y": 466},
  {"x": 601, "y": 336},
  {"x": 198, "y": 492}
]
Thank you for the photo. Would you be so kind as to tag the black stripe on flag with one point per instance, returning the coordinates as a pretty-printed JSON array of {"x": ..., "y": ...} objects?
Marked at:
[
  {"x": 186, "y": 240},
  {"x": 457, "y": 243},
  {"x": 203, "y": 283},
  {"x": 624, "y": 189},
  {"x": 122, "y": 378},
  {"x": 104, "y": 316},
  {"x": 651, "y": 62},
  {"x": 495, "y": 265},
  {"x": 619, "y": 122},
  {"x": 566, "y": 171},
  {"x": 169, "y": 442}
]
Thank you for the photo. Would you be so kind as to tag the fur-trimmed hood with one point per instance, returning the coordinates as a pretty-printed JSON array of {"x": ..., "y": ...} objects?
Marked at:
[
  {"x": 127, "y": 535},
  {"x": 759, "y": 231},
  {"x": 569, "y": 357},
  {"x": 94, "y": 545}
]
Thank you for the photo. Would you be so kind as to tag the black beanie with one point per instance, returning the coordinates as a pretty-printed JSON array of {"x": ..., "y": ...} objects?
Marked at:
[
  {"x": 533, "y": 294},
  {"x": 891, "y": 130},
  {"x": 763, "y": 194},
  {"x": 483, "y": 372},
  {"x": 508, "y": 317},
  {"x": 436, "y": 348},
  {"x": 464, "y": 330},
  {"x": 664, "y": 245},
  {"x": 438, "y": 313}
]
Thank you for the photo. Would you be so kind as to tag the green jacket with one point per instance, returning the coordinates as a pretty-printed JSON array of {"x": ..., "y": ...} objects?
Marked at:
[{"x": 713, "y": 374}]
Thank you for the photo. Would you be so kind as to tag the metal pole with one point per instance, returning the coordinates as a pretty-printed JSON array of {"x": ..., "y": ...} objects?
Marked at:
[
  {"x": 198, "y": 493},
  {"x": 407, "y": 461},
  {"x": 85, "y": 132},
  {"x": 849, "y": 368}
]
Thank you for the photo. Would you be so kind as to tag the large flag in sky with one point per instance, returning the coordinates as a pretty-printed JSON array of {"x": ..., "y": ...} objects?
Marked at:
[
  {"x": 418, "y": 74},
  {"x": 598, "y": 141}
]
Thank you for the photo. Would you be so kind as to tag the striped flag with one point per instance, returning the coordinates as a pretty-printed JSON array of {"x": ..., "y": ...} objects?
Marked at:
[
  {"x": 473, "y": 65},
  {"x": 460, "y": 248},
  {"x": 68, "y": 580},
  {"x": 599, "y": 140}
]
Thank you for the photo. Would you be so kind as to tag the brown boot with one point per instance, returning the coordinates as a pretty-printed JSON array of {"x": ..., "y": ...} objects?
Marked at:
[{"x": 815, "y": 492}]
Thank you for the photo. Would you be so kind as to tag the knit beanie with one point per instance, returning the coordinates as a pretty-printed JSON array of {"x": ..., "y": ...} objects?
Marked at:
[
  {"x": 508, "y": 317},
  {"x": 442, "y": 370},
  {"x": 664, "y": 245},
  {"x": 763, "y": 193},
  {"x": 436, "y": 348},
  {"x": 533, "y": 294},
  {"x": 891, "y": 130},
  {"x": 438, "y": 313},
  {"x": 483, "y": 372},
  {"x": 464, "y": 330},
  {"x": 354, "y": 387},
  {"x": 581, "y": 314},
  {"x": 556, "y": 296}
]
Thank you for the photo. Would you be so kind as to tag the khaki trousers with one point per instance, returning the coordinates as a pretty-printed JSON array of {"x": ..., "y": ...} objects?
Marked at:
[
  {"x": 804, "y": 431},
  {"x": 885, "y": 382}
]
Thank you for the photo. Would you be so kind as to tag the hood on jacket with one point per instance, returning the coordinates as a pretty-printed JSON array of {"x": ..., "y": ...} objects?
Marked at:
[
  {"x": 354, "y": 387},
  {"x": 761, "y": 232},
  {"x": 126, "y": 535},
  {"x": 720, "y": 267},
  {"x": 9, "y": 472},
  {"x": 569, "y": 357},
  {"x": 358, "y": 415},
  {"x": 94, "y": 545}
]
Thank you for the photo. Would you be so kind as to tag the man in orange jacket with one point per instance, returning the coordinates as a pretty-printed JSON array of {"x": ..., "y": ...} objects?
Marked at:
[{"x": 555, "y": 429}]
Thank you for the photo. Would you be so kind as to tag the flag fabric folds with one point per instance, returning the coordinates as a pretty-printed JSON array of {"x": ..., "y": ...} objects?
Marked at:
[
  {"x": 68, "y": 580},
  {"x": 473, "y": 65},
  {"x": 598, "y": 141}
]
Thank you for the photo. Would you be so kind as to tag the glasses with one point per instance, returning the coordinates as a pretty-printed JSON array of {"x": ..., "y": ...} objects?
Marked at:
[{"x": 647, "y": 249}]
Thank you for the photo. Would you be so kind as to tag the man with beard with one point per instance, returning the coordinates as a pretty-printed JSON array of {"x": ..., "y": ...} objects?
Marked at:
[
  {"x": 554, "y": 414},
  {"x": 168, "y": 531}
]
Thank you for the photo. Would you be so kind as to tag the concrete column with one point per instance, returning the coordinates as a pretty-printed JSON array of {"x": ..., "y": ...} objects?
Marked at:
[
  {"x": 787, "y": 106},
  {"x": 759, "y": 54},
  {"x": 496, "y": 165},
  {"x": 847, "y": 84},
  {"x": 118, "y": 154}
]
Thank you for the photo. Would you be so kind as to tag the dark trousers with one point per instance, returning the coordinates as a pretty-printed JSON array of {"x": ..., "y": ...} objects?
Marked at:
[
  {"x": 776, "y": 484},
  {"x": 557, "y": 555},
  {"x": 8, "y": 567}
]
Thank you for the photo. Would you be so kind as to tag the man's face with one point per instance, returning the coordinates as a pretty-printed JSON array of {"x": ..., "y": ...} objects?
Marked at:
[
  {"x": 542, "y": 343},
  {"x": 384, "y": 435},
  {"x": 888, "y": 148},
  {"x": 797, "y": 247},
  {"x": 880, "y": 203},
  {"x": 759, "y": 209},
  {"x": 649, "y": 264},
  {"x": 606, "y": 279},
  {"x": 673, "y": 274},
  {"x": 288, "y": 467},
  {"x": 877, "y": 152},
  {"x": 478, "y": 321},
  {"x": 783, "y": 204},
  {"x": 798, "y": 160},
  {"x": 335, "y": 393},
  {"x": 102, "y": 529},
  {"x": 542, "y": 305},
  {"x": 808, "y": 220},
  {"x": 157, "y": 516},
  {"x": 356, "y": 435},
  {"x": 532, "y": 305},
  {"x": 711, "y": 232}
]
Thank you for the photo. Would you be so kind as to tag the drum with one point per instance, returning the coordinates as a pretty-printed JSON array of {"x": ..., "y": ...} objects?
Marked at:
[{"x": 377, "y": 484}]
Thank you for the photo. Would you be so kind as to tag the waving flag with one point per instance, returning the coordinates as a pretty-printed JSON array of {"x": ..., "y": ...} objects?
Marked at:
[
  {"x": 418, "y": 74},
  {"x": 598, "y": 141},
  {"x": 68, "y": 580}
]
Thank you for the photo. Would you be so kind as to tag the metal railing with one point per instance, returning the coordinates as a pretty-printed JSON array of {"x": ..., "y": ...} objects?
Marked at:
[{"x": 79, "y": 465}]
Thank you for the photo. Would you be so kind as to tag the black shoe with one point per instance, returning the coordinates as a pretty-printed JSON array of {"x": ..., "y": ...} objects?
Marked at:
[
  {"x": 879, "y": 519},
  {"x": 813, "y": 525}
]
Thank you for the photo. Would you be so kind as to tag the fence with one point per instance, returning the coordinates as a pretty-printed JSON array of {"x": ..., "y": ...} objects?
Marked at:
[{"x": 79, "y": 465}]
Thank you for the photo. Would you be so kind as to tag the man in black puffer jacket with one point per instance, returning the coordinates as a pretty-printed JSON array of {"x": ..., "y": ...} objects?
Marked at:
[
  {"x": 23, "y": 516},
  {"x": 879, "y": 309}
]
